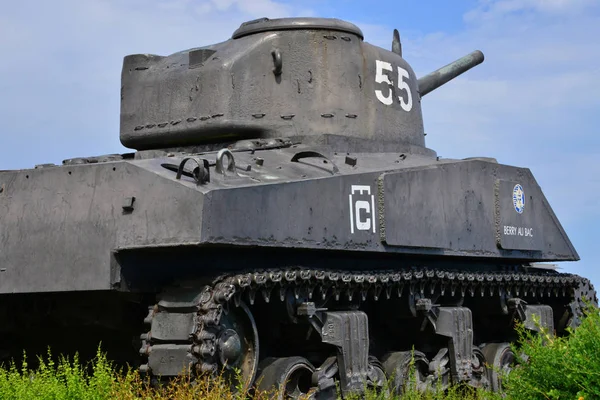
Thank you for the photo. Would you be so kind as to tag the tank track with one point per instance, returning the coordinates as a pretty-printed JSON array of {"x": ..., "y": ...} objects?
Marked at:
[{"x": 195, "y": 342}]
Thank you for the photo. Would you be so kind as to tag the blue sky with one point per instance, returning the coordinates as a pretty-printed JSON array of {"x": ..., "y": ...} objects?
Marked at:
[{"x": 533, "y": 103}]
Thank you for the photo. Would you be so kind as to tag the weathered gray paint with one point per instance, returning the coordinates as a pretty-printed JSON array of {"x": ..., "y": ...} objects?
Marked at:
[
  {"x": 443, "y": 75},
  {"x": 267, "y": 25},
  {"x": 77, "y": 211},
  {"x": 60, "y": 227},
  {"x": 326, "y": 86},
  {"x": 474, "y": 201}
]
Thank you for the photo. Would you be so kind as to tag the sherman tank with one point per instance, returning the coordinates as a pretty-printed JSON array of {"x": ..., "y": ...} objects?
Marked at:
[{"x": 281, "y": 218}]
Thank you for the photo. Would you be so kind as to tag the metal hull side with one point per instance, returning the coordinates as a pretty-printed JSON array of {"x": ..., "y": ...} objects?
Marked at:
[{"x": 59, "y": 226}]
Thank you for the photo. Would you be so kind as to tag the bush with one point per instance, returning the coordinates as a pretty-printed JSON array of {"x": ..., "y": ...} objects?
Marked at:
[{"x": 558, "y": 368}]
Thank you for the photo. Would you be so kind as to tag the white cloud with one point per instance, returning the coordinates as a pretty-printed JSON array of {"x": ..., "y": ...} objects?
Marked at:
[
  {"x": 536, "y": 89},
  {"x": 489, "y": 10},
  {"x": 532, "y": 103},
  {"x": 203, "y": 8},
  {"x": 63, "y": 64},
  {"x": 258, "y": 8}
]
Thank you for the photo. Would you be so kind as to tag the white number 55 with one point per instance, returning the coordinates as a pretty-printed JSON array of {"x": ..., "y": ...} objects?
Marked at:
[{"x": 382, "y": 77}]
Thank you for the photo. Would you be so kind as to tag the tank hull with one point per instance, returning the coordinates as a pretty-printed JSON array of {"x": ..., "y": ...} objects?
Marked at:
[
  {"x": 283, "y": 219},
  {"x": 386, "y": 203},
  {"x": 187, "y": 263}
]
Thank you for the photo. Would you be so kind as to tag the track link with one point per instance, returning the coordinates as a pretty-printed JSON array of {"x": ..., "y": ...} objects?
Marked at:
[{"x": 185, "y": 323}]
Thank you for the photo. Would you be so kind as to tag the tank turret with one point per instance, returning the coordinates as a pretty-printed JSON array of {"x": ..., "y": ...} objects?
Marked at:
[
  {"x": 291, "y": 77},
  {"x": 283, "y": 222}
]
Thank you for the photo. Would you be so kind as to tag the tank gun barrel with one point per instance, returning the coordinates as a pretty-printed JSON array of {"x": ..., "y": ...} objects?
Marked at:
[{"x": 441, "y": 76}]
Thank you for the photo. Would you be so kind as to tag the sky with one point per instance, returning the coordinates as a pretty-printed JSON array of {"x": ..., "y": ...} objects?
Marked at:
[{"x": 533, "y": 103}]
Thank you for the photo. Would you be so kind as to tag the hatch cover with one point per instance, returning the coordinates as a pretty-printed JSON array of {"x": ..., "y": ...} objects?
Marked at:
[{"x": 281, "y": 24}]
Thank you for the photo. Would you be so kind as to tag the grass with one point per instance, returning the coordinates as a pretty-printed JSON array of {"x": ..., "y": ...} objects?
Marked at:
[
  {"x": 551, "y": 369},
  {"x": 70, "y": 380}
]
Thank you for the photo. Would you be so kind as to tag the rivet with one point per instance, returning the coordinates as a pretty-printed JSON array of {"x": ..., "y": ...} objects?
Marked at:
[
  {"x": 150, "y": 126},
  {"x": 138, "y": 128},
  {"x": 191, "y": 119},
  {"x": 327, "y": 115},
  {"x": 175, "y": 122},
  {"x": 260, "y": 115},
  {"x": 204, "y": 118},
  {"x": 217, "y": 115},
  {"x": 162, "y": 124},
  {"x": 346, "y": 38},
  {"x": 351, "y": 115},
  {"x": 289, "y": 116}
]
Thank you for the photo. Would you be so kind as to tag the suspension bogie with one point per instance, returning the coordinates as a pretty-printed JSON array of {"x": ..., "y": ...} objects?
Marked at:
[{"x": 353, "y": 330}]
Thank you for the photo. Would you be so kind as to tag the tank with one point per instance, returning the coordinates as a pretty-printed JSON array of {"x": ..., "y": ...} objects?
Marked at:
[{"x": 280, "y": 215}]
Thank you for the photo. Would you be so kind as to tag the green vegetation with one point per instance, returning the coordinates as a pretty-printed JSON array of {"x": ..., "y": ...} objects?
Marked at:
[
  {"x": 551, "y": 368},
  {"x": 70, "y": 380},
  {"x": 454, "y": 393},
  {"x": 558, "y": 368}
]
